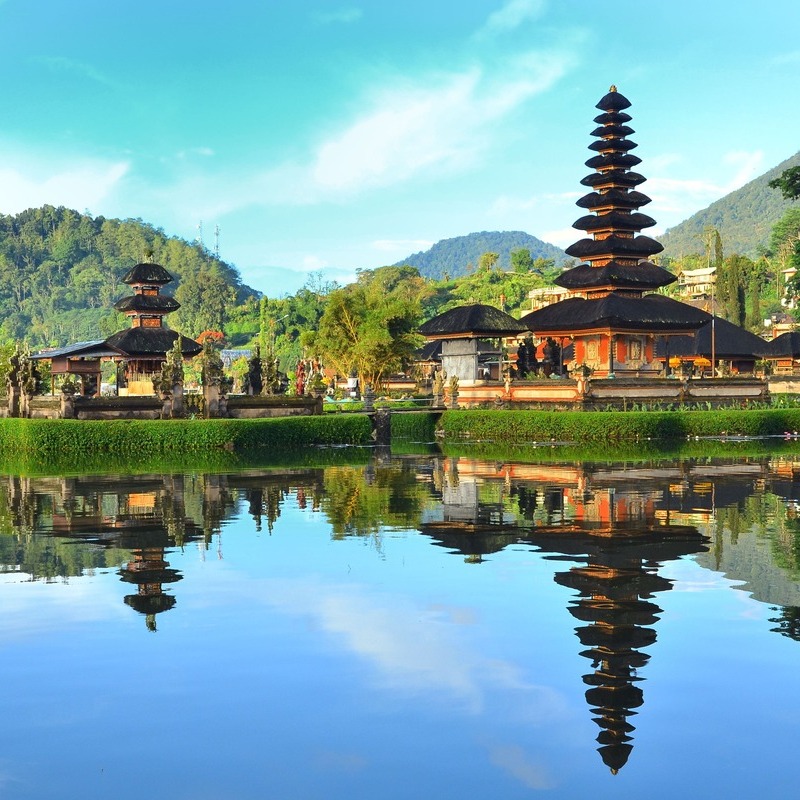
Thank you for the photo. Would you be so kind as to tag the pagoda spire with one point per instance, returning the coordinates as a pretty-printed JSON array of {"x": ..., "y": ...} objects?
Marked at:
[
  {"x": 615, "y": 220},
  {"x": 614, "y": 312}
]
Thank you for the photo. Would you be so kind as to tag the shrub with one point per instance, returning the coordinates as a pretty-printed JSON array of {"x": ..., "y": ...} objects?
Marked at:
[{"x": 135, "y": 437}]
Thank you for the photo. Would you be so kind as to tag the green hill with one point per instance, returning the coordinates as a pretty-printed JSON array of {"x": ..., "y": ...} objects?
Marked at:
[
  {"x": 744, "y": 218},
  {"x": 453, "y": 257},
  {"x": 60, "y": 275}
]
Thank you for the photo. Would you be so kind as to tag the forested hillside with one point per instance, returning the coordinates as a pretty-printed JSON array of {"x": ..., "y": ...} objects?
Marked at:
[
  {"x": 744, "y": 219},
  {"x": 60, "y": 276},
  {"x": 450, "y": 258}
]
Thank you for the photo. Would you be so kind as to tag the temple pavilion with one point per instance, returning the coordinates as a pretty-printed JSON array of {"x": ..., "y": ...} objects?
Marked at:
[
  {"x": 471, "y": 338},
  {"x": 614, "y": 313},
  {"x": 142, "y": 347},
  {"x": 146, "y": 343}
]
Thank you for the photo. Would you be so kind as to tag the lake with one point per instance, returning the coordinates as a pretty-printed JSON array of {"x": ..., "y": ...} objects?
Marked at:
[{"x": 421, "y": 626}]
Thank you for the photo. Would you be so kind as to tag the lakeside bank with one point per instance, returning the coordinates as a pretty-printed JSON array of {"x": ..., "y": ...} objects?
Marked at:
[{"x": 137, "y": 439}]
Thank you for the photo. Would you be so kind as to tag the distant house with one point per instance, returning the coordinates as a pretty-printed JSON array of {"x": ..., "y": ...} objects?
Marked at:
[{"x": 694, "y": 284}]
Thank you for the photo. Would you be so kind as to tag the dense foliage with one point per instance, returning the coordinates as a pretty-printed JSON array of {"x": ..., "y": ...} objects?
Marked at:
[
  {"x": 369, "y": 327},
  {"x": 451, "y": 258},
  {"x": 585, "y": 426},
  {"x": 60, "y": 274},
  {"x": 143, "y": 437}
]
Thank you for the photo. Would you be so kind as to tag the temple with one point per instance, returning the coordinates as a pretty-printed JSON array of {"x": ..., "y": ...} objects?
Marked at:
[
  {"x": 613, "y": 315},
  {"x": 139, "y": 350},
  {"x": 147, "y": 341}
]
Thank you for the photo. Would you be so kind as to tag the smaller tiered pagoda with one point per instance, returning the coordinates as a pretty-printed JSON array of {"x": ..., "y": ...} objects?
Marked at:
[
  {"x": 614, "y": 314},
  {"x": 146, "y": 343}
]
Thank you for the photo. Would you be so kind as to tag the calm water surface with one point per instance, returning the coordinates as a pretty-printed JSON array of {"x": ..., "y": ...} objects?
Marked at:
[{"x": 417, "y": 627}]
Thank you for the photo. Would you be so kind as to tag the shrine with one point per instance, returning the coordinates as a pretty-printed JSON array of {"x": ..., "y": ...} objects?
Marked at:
[
  {"x": 145, "y": 344},
  {"x": 614, "y": 314},
  {"x": 139, "y": 350}
]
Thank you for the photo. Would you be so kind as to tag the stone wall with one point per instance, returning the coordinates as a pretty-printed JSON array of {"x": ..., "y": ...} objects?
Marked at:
[{"x": 601, "y": 393}]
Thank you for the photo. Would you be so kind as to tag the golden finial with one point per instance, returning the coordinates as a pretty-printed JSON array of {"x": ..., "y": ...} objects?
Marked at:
[{"x": 613, "y": 88}]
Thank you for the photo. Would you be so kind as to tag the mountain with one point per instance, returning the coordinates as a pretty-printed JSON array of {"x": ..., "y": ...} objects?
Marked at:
[
  {"x": 744, "y": 218},
  {"x": 452, "y": 257},
  {"x": 61, "y": 271}
]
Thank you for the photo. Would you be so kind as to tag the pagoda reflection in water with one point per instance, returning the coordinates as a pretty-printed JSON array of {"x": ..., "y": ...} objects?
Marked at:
[{"x": 618, "y": 536}]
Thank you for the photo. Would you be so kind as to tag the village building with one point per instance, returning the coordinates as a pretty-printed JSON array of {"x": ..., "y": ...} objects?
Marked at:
[
  {"x": 697, "y": 284},
  {"x": 614, "y": 313}
]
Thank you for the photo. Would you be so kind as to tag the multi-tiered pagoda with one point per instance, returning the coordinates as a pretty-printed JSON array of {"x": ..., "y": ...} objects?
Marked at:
[
  {"x": 146, "y": 343},
  {"x": 613, "y": 315}
]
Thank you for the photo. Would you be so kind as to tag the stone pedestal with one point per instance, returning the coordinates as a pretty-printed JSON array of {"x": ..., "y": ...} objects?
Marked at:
[
  {"x": 211, "y": 398},
  {"x": 13, "y": 401}
]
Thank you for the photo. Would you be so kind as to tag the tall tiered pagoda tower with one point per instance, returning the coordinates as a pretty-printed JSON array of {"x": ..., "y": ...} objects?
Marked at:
[{"x": 613, "y": 315}]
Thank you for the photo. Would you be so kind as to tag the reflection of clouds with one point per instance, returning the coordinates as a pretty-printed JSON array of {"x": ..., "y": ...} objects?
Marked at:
[
  {"x": 528, "y": 771},
  {"x": 338, "y": 761},
  {"x": 31, "y": 608},
  {"x": 415, "y": 649}
]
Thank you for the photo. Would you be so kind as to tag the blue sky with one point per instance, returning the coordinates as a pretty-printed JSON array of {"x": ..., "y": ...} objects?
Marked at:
[{"x": 335, "y": 136}]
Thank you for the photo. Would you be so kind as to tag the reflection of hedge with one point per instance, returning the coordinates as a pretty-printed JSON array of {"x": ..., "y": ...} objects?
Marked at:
[
  {"x": 418, "y": 427},
  {"x": 139, "y": 438},
  {"x": 583, "y": 426}
]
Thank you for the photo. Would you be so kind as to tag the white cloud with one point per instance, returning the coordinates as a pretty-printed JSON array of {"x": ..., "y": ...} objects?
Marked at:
[
  {"x": 312, "y": 263},
  {"x": 404, "y": 246},
  {"x": 84, "y": 183},
  {"x": 80, "y": 68},
  {"x": 562, "y": 237},
  {"x": 511, "y": 16},
  {"x": 346, "y": 15},
  {"x": 792, "y": 57},
  {"x": 413, "y": 649},
  {"x": 513, "y": 759},
  {"x": 679, "y": 198},
  {"x": 440, "y": 123}
]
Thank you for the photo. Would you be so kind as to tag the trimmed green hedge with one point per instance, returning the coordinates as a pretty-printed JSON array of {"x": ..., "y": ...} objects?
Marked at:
[
  {"x": 595, "y": 426},
  {"x": 419, "y": 427},
  {"x": 138, "y": 438}
]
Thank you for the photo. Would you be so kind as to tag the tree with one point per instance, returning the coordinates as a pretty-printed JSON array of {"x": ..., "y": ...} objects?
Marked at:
[
  {"x": 487, "y": 261},
  {"x": 369, "y": 327},
  {"x": 732, "y": 280},
  {"x": 788, "y": 182},
  {"x": 521, "y": 260}
]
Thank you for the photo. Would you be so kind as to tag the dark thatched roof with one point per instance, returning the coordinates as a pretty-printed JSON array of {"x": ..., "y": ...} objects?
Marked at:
[
  {"x": 615, "y": 160},
  {"x": 653, "y": 312},
  {"x": 143, "y": 342},
  {"x": 94, "y": 349},
  {"x": 160, "y": 303},
  {"x": 613, "y": 144},
  {"x": 640, "y": 246},
  {"x": 147, "y": 273},
  {"x": 616, "y": 197},
  {"x": 613, "y": 130},
  {"x": 472, "y": 320},
  {"x": 730, "y": 341},
  {"x": 430, "y": 351},
  {"x": 645, "y": 275},
  {"x": 613, "y": 118},
  {"x": 786, "y": 345},
  {"x": 613, "y": 101},
  {"x": 614, "y": 219},
  {"x": 616, "y": 176}
]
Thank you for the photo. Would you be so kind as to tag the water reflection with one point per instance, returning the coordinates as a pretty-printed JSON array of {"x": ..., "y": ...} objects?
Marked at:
[{"x": 608, "y": 531}]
